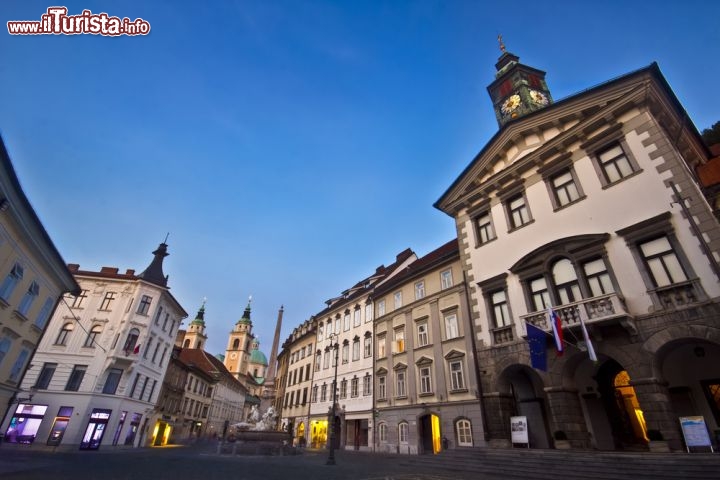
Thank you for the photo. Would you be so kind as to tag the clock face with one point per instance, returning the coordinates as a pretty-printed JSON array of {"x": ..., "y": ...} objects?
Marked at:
[
  {"x": 538, "y": 97},
  {"x": 233, "y": 355},
  {"x": 511, "y": 104}
]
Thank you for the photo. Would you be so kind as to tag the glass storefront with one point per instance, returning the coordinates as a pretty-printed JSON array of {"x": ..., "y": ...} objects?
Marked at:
[
  {"x": 24, "y": 423},
  {"x": 95, "y": 429},
  {"x": 59, "y": 425}
]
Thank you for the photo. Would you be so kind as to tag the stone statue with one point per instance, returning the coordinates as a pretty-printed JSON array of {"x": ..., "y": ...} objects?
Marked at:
[{"x": 256, "y": 422}]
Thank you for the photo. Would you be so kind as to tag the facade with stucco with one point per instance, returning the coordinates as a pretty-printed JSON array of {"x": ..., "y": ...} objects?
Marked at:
[{"x": 590, "y": 206}]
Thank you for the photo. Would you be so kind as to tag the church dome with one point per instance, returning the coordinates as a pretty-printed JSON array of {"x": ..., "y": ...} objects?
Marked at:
[{"x": 256, "y": 356}]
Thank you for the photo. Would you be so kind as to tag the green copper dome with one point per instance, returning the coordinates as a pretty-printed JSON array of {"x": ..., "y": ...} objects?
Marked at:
[{"x": 256, "y": 356}]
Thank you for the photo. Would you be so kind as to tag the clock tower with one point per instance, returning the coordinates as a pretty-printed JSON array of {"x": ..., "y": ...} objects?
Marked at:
[
  {"x": 237, "y": 353},
  {"x": 518, "y": 89}
]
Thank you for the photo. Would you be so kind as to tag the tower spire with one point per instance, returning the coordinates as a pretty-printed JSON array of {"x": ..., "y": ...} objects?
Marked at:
[
  {"x": 246, "y": 314},
  {"x": 200, "y": 318},
  {"x": 502, "y": 45},
  {"x": 154, "y": 272}
]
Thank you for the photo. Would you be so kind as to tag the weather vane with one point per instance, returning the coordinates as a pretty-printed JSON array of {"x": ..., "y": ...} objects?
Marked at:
[{"x": 500, "y": 41}]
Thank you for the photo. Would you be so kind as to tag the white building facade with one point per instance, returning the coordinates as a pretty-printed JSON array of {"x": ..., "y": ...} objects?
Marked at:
[
  {"x": 590, "y": 206},
  {"x": 98, "y": 370},
  {"x": 345, "y": 332}
]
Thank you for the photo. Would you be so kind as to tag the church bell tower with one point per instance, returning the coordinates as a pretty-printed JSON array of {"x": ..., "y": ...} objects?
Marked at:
[
  {"x": 518, "y": 89},
  {"x": 195, "y": 336},
  {"x": 238, "y": 350}
]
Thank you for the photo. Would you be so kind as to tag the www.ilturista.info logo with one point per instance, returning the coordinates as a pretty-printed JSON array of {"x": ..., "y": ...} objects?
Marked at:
[{"x": 57, "y": 22}]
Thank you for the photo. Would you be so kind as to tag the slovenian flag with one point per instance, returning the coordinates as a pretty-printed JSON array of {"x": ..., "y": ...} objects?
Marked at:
[{"x": 556, "y": 325}]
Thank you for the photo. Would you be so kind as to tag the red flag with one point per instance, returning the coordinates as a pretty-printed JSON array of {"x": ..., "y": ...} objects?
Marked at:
[
  {"x": 556, "y": 324},
  {"x": 137, "y": 349}
]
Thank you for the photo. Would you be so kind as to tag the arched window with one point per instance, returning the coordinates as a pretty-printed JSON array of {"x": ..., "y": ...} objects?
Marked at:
[
  {"x": 64, "y": 334},
  {"x": 131, "y": 341},
  {"x": 463, "y": 430},
  {"x": 403, "y": 430},
  {"x": 236, "y": 344},
  {"x": 186, "y": 344},
  {"x": 566, "y": 282},
  {"x": 382, "y": 432},
  {"x": 93, "y": 334}
]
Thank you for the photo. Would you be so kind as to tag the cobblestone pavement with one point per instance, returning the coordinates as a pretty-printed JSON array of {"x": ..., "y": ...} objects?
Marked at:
[{"x": 197, "y": 463}]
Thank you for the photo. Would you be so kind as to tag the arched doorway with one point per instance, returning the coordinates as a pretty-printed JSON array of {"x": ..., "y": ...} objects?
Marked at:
[
  {"x": 430, "y": 433},
  {"x": 625, "y": 417},
  {"x": 691, "y": 369},
  {"x": 526, "y": 389}
]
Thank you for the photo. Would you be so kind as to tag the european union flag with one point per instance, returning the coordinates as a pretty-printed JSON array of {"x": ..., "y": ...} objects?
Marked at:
[{"x": 538, "y": 347}]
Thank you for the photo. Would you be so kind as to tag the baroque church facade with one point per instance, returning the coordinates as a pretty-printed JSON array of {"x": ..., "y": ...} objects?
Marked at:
[{"x": 591, "y": 207}]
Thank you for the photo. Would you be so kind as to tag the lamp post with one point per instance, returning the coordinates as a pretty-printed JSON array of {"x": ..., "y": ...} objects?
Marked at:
[{"x": 333, "y": 346}]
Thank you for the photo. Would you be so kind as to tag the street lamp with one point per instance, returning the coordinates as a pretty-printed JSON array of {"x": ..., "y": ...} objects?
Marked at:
[{"x": 333, "y": 346}]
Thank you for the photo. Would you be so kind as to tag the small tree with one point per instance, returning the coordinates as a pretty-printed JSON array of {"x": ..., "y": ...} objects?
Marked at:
[{"x": 711, "y": 135}]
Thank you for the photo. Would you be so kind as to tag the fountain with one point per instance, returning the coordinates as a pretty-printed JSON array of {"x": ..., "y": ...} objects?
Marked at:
[{"x": 258, "y": 436}]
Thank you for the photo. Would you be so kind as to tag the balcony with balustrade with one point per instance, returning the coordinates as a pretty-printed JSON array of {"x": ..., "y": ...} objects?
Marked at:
[{"x": 601, "y": 310}]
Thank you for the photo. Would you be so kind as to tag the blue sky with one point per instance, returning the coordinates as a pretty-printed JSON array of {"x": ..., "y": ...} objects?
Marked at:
[{"x": 291, "y": 147}]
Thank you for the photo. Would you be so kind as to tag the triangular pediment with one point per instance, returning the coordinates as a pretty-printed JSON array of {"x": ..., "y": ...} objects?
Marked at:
[
  {"x": 422, "y": 361},
  {"x": 400, "y": 366},
  {"x": 528, "y": 142},
  {"x": 452, "y": 354}
]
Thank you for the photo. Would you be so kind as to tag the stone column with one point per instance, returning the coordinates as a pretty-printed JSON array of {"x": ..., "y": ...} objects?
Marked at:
[
  {"x": 566, "y": 415},
  {"x": 500, "y": 408},
  {"x": 654, "y": 399}
]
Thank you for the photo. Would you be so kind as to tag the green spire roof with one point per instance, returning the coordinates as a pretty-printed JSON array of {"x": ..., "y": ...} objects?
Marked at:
[
  {"x": 200, "y": 318},
  {"x": 246, "y": 315}
]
